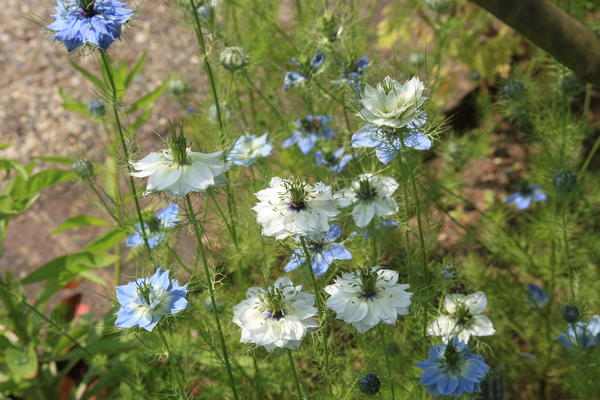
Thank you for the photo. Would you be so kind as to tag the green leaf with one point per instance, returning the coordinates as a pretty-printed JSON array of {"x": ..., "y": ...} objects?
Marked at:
[
  {"x": 10, "y": 164},
  {"x": 136, "y": 69},
  {"x": 107, "y": 241},
  {"x": 21, "y": 363},
  {"x": 66, "y": 268},
  {"x": 139, "y": 121},
  {"x": 73, "y": 104},
  {"x": 79, "y": 221},
  {"x": 41, "y": 180},
  {"x": 147, "y": 99},
  {"x": 88, "y": 75}
]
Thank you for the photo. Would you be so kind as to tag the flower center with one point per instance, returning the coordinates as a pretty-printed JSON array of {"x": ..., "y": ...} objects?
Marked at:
[
  {"x": 154, "y": 224},
  {"x": 315, "y": 247},
  {"x": 297, "y": 194},
  {"x": 87, "y": 8},
  {"x": 151, "y": 297},
  {"x": 526, "y": 191},
  {"x": 368, "y": 283},
  {"x": 273, "y": 303},
  {"x": 452, "y": 355},
  {"x": 178, "y": 146},
  {"x": 463, "y": 316},
  {"x": 365, "y": 191},
  {"x": 313, "y": 125}
]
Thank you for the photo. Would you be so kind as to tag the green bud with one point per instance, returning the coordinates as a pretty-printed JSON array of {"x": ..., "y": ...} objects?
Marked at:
[
  {"x": 564, "y": 181},
  {"x": 234, "y": 58},
  {"x": 83, "y": 168}
]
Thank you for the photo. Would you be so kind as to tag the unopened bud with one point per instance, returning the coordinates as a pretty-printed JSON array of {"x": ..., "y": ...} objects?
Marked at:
[
  {"x": 83, "y": 168},
  {"x": 234, "y": 58}
]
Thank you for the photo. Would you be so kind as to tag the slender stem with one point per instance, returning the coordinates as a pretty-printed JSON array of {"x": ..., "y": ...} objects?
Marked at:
[
  {"x": 295, "y": 373},
  {"x": 387, "y": 360},
  {"x": 211, "y": 291},
  {"x": 256, "y": 375},
  {"x": 102, "y": 201},
  {"x": 419, "y": 222},
  {"x": 118, "y": 264},
  {"x": 568, "y": 252},
  {"x": 111, "y": 79},
  {"x": 176, "y": 367}
]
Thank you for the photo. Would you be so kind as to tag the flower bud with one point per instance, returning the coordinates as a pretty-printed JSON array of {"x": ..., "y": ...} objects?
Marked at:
[
  {"x": 97, "y": 107},
  {"x": 571, "y": 314},
  {"x": 177, "y": 86},
  {"x": 369, "y": 384},
  {"x": 234, "y": 58},
  {"x": 514, "y": 90},
  {"x": 564, "y": 181},
  {"x": 83, "y": 168}
]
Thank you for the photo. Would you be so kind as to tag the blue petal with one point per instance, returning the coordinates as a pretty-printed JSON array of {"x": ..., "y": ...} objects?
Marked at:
[
  {"x": 367, "y": 136},
  {"x": 417, "y": 141}
]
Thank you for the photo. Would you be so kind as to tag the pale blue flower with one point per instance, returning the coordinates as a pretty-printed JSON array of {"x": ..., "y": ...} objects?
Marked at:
[
  {"x": 145, "y": 301},
  {"x": 389, "y": 141},
  {"x": 93, "y": 22},
  {"x": 309, "y": 130},
  {"x": 524, "y": 197},
  {"x": 292, "y": 79},
  {"x": 248, "y": 148},
  {"x": 155, "y": 228},
  {"x": 583, "y": 335},
  {"x": 323, "y": 251},
  {"x": 353, "y": 74},
  {"x": 452, "y": 370},
  {"x": 335, "y": 161},
  {"x": 537, "y": 295}
]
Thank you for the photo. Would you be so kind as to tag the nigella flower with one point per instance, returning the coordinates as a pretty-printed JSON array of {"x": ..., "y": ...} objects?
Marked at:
[
  {"x": 248, "y": 148},
  {"x": 392, "y": 104},
  {"x": 452, "y": 370},
  {"x": 583, "y": 335},
  {"x": 389, "y": 141},
  {"x": 527, "y": 195},
  {"x": 537, "y": 295},
  {"x": 145, "y": 301},
  {"x": 155, "y": 228},
  {"x": 464, "y": 318},
  {"x": 322, "y": 250},
  {"x": 178, "y": 170},
  {"x": 335, "y": 161},
  {"x": 93, "y": 22},
  {"x": 367, "y": 296},
  {"x": 352, "y": 75},
  {"x": 294, "y": 207},
  {"x": 276, "y": 317},
  {"x": 309, "y": 130},
  {"x": 370, "y": 195},
  {"x": 308, "y": 68}
]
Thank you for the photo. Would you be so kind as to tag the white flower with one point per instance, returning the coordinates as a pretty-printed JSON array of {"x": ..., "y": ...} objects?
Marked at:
[
  {"x": 371, "y": 195},
  {"x": 464, "y": 318},
  {"x": 166, "y": 174},
  {"x": 248, "y": 148},
  {"x": 289, "y": 207},
  {"x": 365, "y": 297},
  {"x": 276, "y": 317},
  {"x": 392, "y": 104}
]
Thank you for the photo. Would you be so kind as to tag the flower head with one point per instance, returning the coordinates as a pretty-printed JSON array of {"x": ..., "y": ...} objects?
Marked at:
[
  {"x": 367, "y": 296},
  {"x": 583, "y": 335},
  {"x": 276, "y": 317},
  {"x": 155, "y": 228},
  {"x": 323, "y": 250},
  {"x": 145, "y": 301},
  {"x": 370, "y": 195},
  {"x": 352, "y": 74},
  {"x": 308, "y": 68},
  {"x": 452, "y": 370},
  {"x": 463, "y": 318},
  {"x": 369, "y": 384},
  {"x": 335, "y": 161},
  {"x": 308, "y": 130},
  {"x": 248, "y": 148},
  {"x": 537, "y": 295},
  {"x": 389, "y": 141},
  {"x": 234, "y": 58},
  {"x": 178, "y": 171},
  {"x": 92, "y": 22},
  {"x": 96, "y": 107},
  {"x": 527, "y": 195},
  {"x": 392, "y": 104},
  {"x": 294, "y": 207}
]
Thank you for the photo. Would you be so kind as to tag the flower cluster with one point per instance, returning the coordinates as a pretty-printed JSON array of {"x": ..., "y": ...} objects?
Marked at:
[
  {"x": 308, "y": 131},
  {"x": 307, "y": 69}
]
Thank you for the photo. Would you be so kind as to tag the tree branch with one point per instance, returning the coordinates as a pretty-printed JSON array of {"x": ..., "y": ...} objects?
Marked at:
[{"x": 566, "y": 39}]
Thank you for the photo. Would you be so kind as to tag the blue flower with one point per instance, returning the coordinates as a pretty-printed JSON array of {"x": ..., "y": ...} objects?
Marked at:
[
  {"x": 524, "y": 197},
  {"x": 145, "y": 301},
  {"x": 335, "y": 161},
  {"x": 155, "y": 228},
  {"x": 388, "y": 143},
  {"x": 248, "y": 148},
  {"x": 97, "y": 23},
  {"x": 584, "y": 335},
  {"x": 322, "y": 252},
  {"x": 378, "y": 224},
  {"x": 353, "y": 74},
  {"x": 308, "y": 68},
  {"x": 452, "y": 370},
  {"x": 309, "y": 130},
  {"x": 537, "y": 295}
]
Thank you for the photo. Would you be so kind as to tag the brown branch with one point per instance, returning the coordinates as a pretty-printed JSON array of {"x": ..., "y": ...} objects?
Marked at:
[{"x": 547, "y": 26}]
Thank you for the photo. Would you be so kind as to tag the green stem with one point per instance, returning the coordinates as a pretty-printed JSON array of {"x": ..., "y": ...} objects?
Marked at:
[
  {"x": 256, "y": 376},
  {"x": 415, "y": 193},
  {"x": 176, "y": 367},
  {"x": 201, "y": 251},
  {"x": 228, "y": 225},
  {"x": 388, "y": 363},
  {"x": 568, "y": 253},
  {"x": 295, "y": 373},
  {"x": 111, "y": 79}
]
